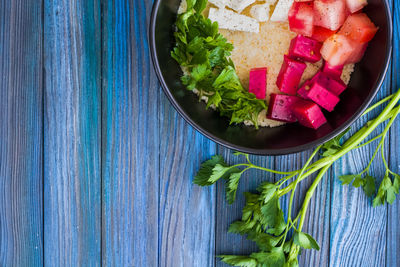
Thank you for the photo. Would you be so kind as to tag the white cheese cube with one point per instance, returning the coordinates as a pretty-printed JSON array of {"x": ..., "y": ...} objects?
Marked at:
[
  {"x": 282, "y": 10},
  {"x": 219, "y": 3},
  {"x": 239, "y": 5},
  {"x": 232, "y": 21},
  {"x": 260, "y": 12}
]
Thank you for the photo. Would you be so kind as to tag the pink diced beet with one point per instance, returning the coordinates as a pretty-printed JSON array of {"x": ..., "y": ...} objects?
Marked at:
[
  {"x": 322, "y": 96},
  {"x": 336, "y": 86},
  {"x": 308, "y": 114},
  {"x": 301, "y": 18},
  {"x": 305, "y": 49},
  {"x": 303, "y": 90},
  {"x": 333, "y": 71},
  {"x": 258, "y": 82},
  {"x": 290, "y": 75},
  {"x": 280, "y": 107}
]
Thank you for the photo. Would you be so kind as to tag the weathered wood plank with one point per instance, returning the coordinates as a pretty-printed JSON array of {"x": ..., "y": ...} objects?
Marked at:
[
  {"x": 358, "y": 231},
  {"x": 21, "y": 132},
  {"x": 186, "y": 211},
  {"x": 393, "y": 231},
  {"x": 130, "y": 144},
  {"x": 72, "y": 181}
]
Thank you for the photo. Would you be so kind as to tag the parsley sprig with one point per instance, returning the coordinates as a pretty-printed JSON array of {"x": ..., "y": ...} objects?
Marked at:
[
  {"x": 280, "y": 241},
  {"x": 205, "y": 55}
]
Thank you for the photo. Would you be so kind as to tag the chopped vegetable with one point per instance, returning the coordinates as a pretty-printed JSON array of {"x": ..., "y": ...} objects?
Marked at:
[
  {"x": 308, "y": 114},
  {"x": 333, "y": 71},
  {"x": 320, "y": 34},
  {"x": 338, "y": 49},
  {"x": 356, "y": 5},
  {"x": 289, "y": 76},
  {"x": 329, "y": 14},
  {"x": 322, "y": 96},
  {"x": 305, "y": 49},
  {"x": 359, "y": 28},
  {"x": 280, "y": 108},
  {"x": 301, "y": 18},
  {"x": 258, "y": 82}
]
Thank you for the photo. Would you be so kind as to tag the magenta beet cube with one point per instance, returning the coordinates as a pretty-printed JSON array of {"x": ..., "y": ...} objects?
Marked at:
[
  {"x": 336, "y": 86},
  {"x": 280, "y": 107},
  {"x": 258, "y": 82},
  {"x": 322, "y": 96},
  {"x": 303, "y": 90},
  {"x": 308, "y": 114},
  {"x": 305, "y": 49},
  {"x": 290, "y": 75},
  {"x": 334, "y": 71}
]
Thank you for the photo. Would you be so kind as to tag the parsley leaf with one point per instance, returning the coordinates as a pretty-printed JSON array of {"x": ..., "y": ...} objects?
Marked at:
[
  {"x": 205, "y": 55},
  {"x": 242, "y": 261},
  {"x": 202, "y": 177},
  {"x": 305, "y": 241}
]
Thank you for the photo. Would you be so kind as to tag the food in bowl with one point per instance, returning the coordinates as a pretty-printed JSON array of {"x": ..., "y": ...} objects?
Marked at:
[{"x": 273, "y": 62}]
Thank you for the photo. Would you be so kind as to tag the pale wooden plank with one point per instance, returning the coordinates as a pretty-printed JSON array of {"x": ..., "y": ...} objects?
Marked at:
[
  {"x": 21, "y": 132},
  {"x": 72, "y": 181},
  {"x": 393, "y": 231},
  {"x": 186, "y": 211},
  {"x": 130, "y": 150}
]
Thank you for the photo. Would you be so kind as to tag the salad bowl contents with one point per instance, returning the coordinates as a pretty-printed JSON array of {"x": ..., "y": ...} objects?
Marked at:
[{"x": 265, "y": 70}]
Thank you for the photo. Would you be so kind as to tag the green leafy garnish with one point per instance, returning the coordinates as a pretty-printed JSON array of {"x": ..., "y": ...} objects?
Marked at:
[
  {"x": 281, "y": 240},
  {"x": 204, "y": 53}
]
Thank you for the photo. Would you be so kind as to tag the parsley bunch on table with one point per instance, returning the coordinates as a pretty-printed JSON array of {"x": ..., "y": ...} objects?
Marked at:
[
  {"x": 280, "y": 241},
  {"x": 204, "y": 54}
]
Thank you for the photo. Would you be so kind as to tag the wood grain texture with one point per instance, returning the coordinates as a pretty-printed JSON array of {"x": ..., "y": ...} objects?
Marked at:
[
  {"x": 358, "y": 231},
  {"x": 21, "y": 157},
  {"x": 186, "y": 212},
  {"x": 130, "y": 156},
  {"x": 72, "y": 181},
  {"x": 393, "y": 230}
]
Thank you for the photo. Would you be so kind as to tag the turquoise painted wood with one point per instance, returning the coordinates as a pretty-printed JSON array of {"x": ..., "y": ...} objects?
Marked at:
[
  {"x": 96, "y": 166},
  {"x": 71, "y": 177}
]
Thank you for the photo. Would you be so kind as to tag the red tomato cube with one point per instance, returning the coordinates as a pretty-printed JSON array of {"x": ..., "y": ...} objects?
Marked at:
[
  {"x": 337, "y": 50},
  {"x": 321, "y": 34},
  {"x": 301, "y": 19},
  {"x": 258, "y": 82},
  {"x": 359, "y": 28},
  {"x": 356, "y": 5},
  {"x": 329, "y": 14}
]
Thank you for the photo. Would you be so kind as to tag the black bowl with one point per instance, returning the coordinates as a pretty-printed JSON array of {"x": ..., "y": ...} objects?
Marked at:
[{"x": 365, "y": 83}]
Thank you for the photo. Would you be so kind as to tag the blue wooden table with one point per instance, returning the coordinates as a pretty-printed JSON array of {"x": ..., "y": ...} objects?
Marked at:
[{"x": 96, "y": 166}]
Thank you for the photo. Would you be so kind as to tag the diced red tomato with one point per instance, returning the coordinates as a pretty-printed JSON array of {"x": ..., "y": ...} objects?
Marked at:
[
  {"x": 356, "y": 5},
  {"x": 329, "y": 14},
  {"x": 358, "y": 53},
  {"x": 301, "y": 19},
  {"x": 359, "y": 28},
  {"x": 339, "y": 50},
  {"x": 321, "y": 34}
]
